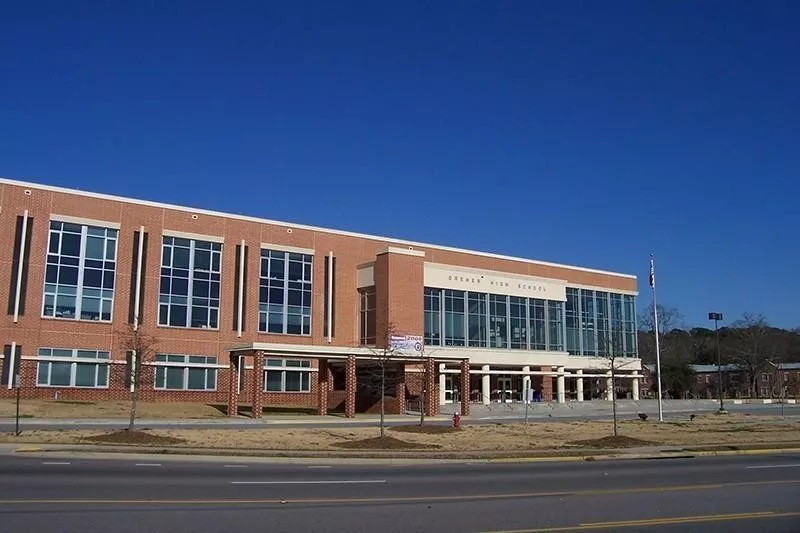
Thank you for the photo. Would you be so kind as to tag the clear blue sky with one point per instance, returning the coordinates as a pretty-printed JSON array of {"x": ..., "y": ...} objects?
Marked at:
[{"x": 588, "y": 133}]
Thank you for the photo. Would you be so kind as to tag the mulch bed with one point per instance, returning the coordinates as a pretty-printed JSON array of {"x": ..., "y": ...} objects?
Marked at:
[
  {"x": 133, "y": 437},
  {"x": 620, "y": 441},
  {"x": 426, "y": 430},
  {"x": 384, "y": 443}
]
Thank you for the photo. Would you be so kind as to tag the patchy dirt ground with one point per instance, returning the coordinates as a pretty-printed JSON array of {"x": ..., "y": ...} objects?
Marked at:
[
  {"x": 705, "y": 430},
  {"x": 107, "y": 409}
]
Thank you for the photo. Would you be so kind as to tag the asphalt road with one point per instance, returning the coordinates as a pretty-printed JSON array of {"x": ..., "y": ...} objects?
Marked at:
[
  {"x": 722, "y": 494},
  {"x": 500, "y": 415}
]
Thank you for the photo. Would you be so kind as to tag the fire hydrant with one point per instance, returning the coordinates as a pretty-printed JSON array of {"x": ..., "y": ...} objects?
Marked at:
[{"x": 456, "y": 420}]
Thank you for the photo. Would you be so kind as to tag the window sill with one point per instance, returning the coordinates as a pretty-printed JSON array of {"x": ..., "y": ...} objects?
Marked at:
[
  {"x": 39, "y": 386},
  {"x": 81, "y": 320},
  {"x": 185, "y": 390},
  {"x": 287, "y": 392},
  {"x": 284, "y": 334},
  {"x": 187, "y": 328}
]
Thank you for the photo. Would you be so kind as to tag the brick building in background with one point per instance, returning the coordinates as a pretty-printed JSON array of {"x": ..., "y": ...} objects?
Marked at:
[{"x": 255, "y": 312}]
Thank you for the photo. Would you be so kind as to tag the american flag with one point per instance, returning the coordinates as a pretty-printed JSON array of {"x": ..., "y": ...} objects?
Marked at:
[{"x": 652, "y": 273}]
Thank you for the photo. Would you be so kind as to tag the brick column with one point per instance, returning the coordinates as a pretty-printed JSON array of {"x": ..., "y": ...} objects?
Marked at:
[
  {"x": 323, "y": 385},
  {"x": 350, "y": 387},
  {"x": 233, "y": 392},
  {"x": 464, "y": 387},
  {"x": 258, "y": 384},
  {"x": 431, "y": 389},
  {"x": 400, "y": 391},
  {"x": 547, "y": 385}
]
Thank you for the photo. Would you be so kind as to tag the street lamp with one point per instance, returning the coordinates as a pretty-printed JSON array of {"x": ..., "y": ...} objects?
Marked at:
[{"x": 716, "y": 317}]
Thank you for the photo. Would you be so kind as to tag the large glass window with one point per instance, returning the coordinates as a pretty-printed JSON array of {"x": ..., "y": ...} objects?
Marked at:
[
  {"x": 190, "y": 283},
  {"x": 630, "y": 325},
  {"x": 518, "y": 322},
  {"x": 498, "y": 321},
  {"x": 433, "y": 331},
  {"x": 617, "y": 322},
  {"x": 555, "y": 319},
  {"x": 476, "y": 303},
  {"x": 367, "y": 316},
  {"x": 573, "y": 321},
  {"x": 454, "y": 318},
  {"x": 284, "y": 302},
  {"x": 287, "y": 375},
  {"x": 80, "y": 272},
  {"x": 186, "y": 372},
  {"x": 588, "y": 322},
  {"x": 72, "y": 368},
  {"x": 538, "y": 324},
  {"x": 604, "y": 346}
]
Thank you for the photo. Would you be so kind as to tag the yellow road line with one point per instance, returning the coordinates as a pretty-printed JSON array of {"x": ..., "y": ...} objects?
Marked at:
[
  {"x": 652, "y": 522},
  {"x": 396, "y": 499}
]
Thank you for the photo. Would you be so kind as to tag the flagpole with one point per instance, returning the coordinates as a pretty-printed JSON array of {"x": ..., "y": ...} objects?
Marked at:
[{"x": 655, "y": 328}]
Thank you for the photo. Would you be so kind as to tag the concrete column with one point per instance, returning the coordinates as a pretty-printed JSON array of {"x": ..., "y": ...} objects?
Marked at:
[
  {"x": 486, "y": 382},
  {"x": 233, "y": 384},
  {"x": 609, "y": 387},
  {"x": 258, "y": 384},
  {"x": 441, "y": 383},
  {"x": 323, "y": 386},
  {"x": 562, "y": 396},
  {"x": 635, "y": 385},
  {"x": 579, "y": 385},
  {"x": 526, "y": 384},
  {"x": 350, "y": 387},
  {"x": 464, "y": 387}
]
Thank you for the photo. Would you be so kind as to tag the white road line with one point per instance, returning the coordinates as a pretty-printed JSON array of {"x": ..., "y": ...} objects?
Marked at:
[
  {"x": 319, "y": 466},
  {"x": 234, "y": 466},
  {"x": 774, "y": 466},
  {"x": 311, "y": 482},
  {"x": 56, "y": 463},
  {"x": 148, "y": 464}
]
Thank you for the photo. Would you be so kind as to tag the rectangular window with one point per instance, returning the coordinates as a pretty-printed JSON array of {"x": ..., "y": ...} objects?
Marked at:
[
  {"x": 617, "y": 323},
  {"x": 287, "y": 375},
  {"x": 518, "y": 322},
  {"x": 572, "y": 317},
  {"x": 72, "y": 367},
  {"x": 284, "y": 297},
  {"x": 538, "y": 324},
  {"x": 555, "y": 319},
  {"x": 454, "y": 318},
  {"x": 629, "y": 305},
  {"x": 433, "y": 325},
  {"x": 367, "y": 316},
  {"x": 476, "y": 302},
  {"x": 186, "y": 372},
  {"x": 80, "y": 272},
  {"x": 588, "y": 322},
  {"x": 190, "y": 283},
  {"x": 498, "y": 321},
  {"x": 604, "y": 346}
]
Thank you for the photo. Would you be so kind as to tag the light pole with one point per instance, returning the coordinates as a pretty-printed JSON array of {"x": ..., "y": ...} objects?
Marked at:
[
  {"x": 716, "y": 317},
  {"x": 781, "y": 394}
]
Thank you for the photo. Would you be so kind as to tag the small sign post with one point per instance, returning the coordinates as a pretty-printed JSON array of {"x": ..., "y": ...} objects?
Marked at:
[{"x": 16, "y": 386}]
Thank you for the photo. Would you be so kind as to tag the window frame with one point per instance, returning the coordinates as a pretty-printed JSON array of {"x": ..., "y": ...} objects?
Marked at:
[
  {"x": 80, "y": 287},
  {"x": 185, "y": 365},
  {"x": 265, "y": 285},
  {"x": 285, "y": 366},
  {"x": 73, "y": 360}
]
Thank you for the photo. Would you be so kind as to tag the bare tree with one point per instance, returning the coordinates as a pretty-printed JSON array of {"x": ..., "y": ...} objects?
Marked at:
[
  {"x": 752, "y": 347},
  {"x": 383, "y": 355},
  {"x": 615, "y": 360},
  {"x": 141, "y": 348}
]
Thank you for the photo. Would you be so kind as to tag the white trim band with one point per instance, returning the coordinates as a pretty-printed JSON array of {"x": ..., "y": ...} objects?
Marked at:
[
  {"x": 192, "y": 236},
  {"x": 84, "y": 221},
  {"x": 285, "y": 248}
]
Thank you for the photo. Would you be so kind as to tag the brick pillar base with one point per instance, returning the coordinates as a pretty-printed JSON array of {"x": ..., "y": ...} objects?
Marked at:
[
  {"x": 547, "y": 385},
  {"x": 258, "y": 384},
  {"x": 350, "y": 387},
  {"x": 233, "y": 389},
  {"x": 431, "y": 385},
  {"x": 464, "y": 386},
  {"x": 323, "y": 385},
  {"x": 400, "y": 391}
]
